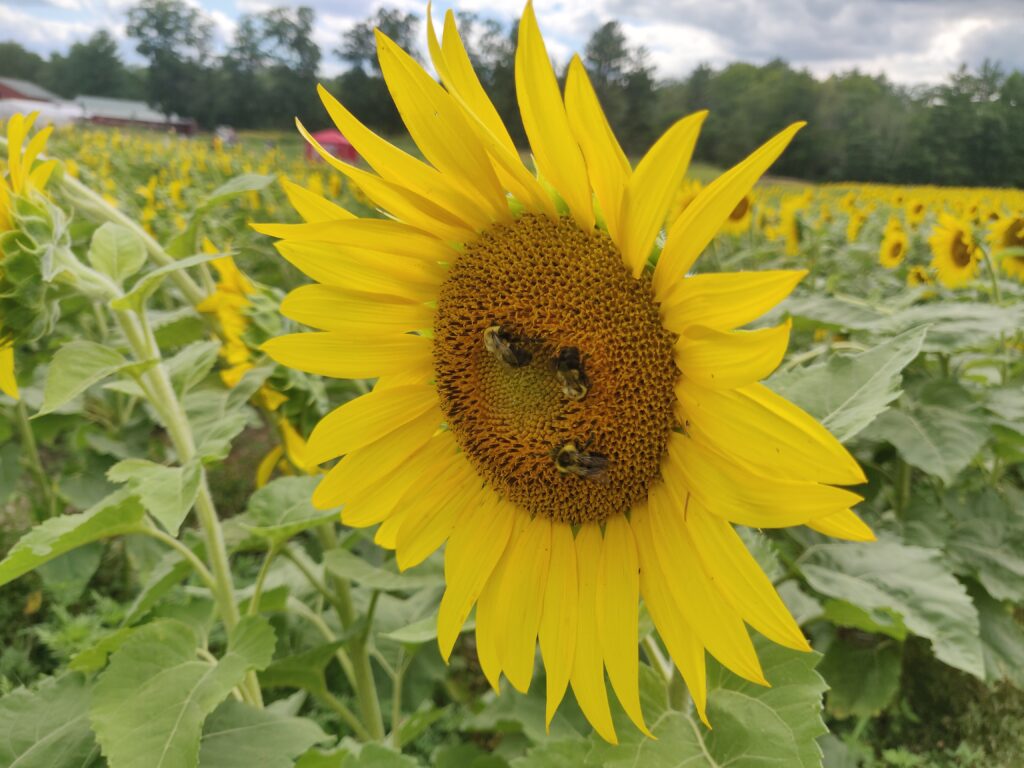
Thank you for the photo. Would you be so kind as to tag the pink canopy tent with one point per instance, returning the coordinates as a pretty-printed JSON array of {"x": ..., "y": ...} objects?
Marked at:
[{"x": 332, "y": 140}]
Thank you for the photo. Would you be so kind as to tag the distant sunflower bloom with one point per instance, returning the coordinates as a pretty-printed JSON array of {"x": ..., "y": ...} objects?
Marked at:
[
  {"x": 23, "y": 176},
  {"x": 740, "y": 217},
  {"x": 916, "y": 210},
  {"x": 1006, "y": 239},
  {"x": 894, "y": 245},
  {"x": 580, "y": 427},
  {"x": 918, "y": 276},
  {"x": 955, "y": 254}
]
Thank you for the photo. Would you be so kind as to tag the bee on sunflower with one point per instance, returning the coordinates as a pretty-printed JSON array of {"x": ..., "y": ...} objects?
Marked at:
[
  {"x": 955, "y": 253},
  {"x": 580, "y": 427}
]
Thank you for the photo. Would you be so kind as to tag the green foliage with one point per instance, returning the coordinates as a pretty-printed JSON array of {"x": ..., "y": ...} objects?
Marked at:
[
  {"x": 167, "y": 493},
  {"x": 75, "y": 367},
  {"x": 282, "y": 509},
  {"x": 150, "y": 704},
  {"x": 240, "y": 736},
  {"x": 117, "y": 252},
  {"x": 48, "y": 727}
]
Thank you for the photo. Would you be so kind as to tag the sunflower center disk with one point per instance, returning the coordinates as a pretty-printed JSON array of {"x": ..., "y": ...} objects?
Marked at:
[{"x": 554, "y": 372}]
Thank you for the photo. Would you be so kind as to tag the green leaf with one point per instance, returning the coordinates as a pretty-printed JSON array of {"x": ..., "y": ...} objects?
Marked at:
[
  {"x": 146, "y": 285},
  {"x": 10, "y": 469},
  {"x": 75, "y": 367},
  {"x": 216, "y": 420},
  {"x": 94, "y": 658},
  {"x": 303, "y": 670},
  {"x": 343, "y": 563},
  {"x": 352, "y": 754},
  {"x": 239, "y": 736},
  {"x": 847, "y": 393},
  {"x": 863, "y": 674},
  {"x": 283, "y": 508},
  {"x": 150, "y": 703},
  {"x": 48, "y": 727},
  {"x": 940, "y": 433},
  {"x": 417, "y": 633},
  {"x": 118, "y": 513},
  {"x": 988, "y": 542},
  {"x": 167, "y": 493},
  {"x": 955, "y": 325},
  {"x": 67, "y": 576},
  {"x": 752, "y": 726},
  {"x": 170, "y": 571},
  {"x": 240, "y": 185},
  {"x": 912, "y": 582},
  {"x": 192, "y": 364},
  {"x": 117, "y": 251},
  {"x": 1002, "y": 638}
]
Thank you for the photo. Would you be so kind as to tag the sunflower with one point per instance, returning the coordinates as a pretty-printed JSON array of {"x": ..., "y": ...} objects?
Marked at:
[
  {"x": 580, "y": 428},
  {"x": 1006, "y": 239},
  {"x": 740, "y": 217},
  {"x": 919, "y": 276},
  {"x": 955, "y": 254},
  {"x": 915, "y": 211},
  {"x": 894, "y": 245},
  {"x": 23, "y": 177}
]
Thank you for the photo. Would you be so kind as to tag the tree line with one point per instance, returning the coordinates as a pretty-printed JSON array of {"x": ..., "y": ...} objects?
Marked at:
[{"x": 967, "y": 131}]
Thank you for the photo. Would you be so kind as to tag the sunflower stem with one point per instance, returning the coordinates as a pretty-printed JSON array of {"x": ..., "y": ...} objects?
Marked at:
[
  {"x": 261, "y": 577},
  {"x": 35, "y": 462},
  {"x": 997, "y": 297}
]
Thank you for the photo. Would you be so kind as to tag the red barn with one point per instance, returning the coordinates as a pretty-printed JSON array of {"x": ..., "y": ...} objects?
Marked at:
[
  {"x": 12, "y": 88},
  {"x": 332, "y": 140}
]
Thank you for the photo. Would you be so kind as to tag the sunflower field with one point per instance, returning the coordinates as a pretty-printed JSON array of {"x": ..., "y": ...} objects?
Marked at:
[{"x": 410, "y": 462}]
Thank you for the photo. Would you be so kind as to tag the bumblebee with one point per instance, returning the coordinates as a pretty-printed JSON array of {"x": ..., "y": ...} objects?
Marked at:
[
  {"x": 570, "y": 460},
  {"x": 506, "y": 347},
  {"x": 570, "y": 373}
]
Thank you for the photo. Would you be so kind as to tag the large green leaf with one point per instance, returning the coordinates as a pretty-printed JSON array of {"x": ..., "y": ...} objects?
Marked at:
[
  {"x": 955, "y": 325},
  {"x": 752, "y": 726},
  {"x": 863, "y": 674},
  {"x": 939, "y": 431},
  {"x": 343, "y": 563},
  {"x": 170, "y": 571},
  {"x": 150, "y": 703},
  {"x": 118, "y": 513},
  {"x": 146, "y": 285},
  {"x": 911, "y": 582},
  {"x": 1002, "y": 638},
  {"x": 117, "y": 251},
  {"x": 75, "y": 367},
  {"x": 167, "y": 493},
  {"x": 48, "y": 727},
  {"x": 987, "y": 541},
  {"x": 67, "y": 576},
  {"x": 239, "y": 736},
  {"x": 192, "y": 364},
  {"x": 283, "y": 508},
  {"x": 847, "y": 393}
]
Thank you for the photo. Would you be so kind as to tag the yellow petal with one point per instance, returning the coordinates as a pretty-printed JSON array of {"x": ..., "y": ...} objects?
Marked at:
[
  {"x": 766, "y": 431},
  {"x": 653, "y": 187},
  {"x": 427, "y": 213},
  {"x": 456, "y": 70},
  {"x": 522, "y": 598},
  {"x": 311, "y": 206},
  {"x": 716, "y": 622},
  {"x": 8, "y": 382},
  {"x": 476, "y": 544},
  {"x": 587, "y": 666},
  {"x": 738, "y": 576},
  {"x": 737, "y": 493},
  {"x": 267, "y": 465},
  {"x": 429, "y": 518},
  {"x": 607, "y": 165},
  {"x": 618, "y": 607},
  {"x": 559, "y": 618},
  {"x": 729, "y": 359},
  {"x": 365, "y": 272},
  {"x": 381, "y": 236},
  {"x": 340, "y": 357},
  {"x": 398, "y": 167},
  {"x": 367, "y": 467},
  {"x": 328, "y": 308},
  {"x": 690, "y": 234},
  {"x": 366, "y": 419},
  {"x": 439, "y": 128},
  {"x": 377, "y": 503},
  {"x": 685, "y": 648},
  {"x": 558, "y": 156},
  {"x": 728, "y": 300},
  {"x": 843, "y": 525}
]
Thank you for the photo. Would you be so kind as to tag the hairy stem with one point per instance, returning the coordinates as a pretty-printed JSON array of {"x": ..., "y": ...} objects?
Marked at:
[{"x": 35, "y": 463}]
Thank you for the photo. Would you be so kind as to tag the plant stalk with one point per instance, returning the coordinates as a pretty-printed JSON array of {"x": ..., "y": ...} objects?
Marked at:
[{"x": 35, "y": 463}]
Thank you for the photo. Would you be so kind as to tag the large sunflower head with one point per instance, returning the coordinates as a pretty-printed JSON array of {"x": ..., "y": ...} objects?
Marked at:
[
  {"x": 580, "y": 423},
  {"x": 1006, "y": 239},
  {"x": 955, "y": 254}
]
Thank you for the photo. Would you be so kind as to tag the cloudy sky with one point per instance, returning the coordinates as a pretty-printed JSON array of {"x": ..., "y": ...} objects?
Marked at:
[{"x": 912, "y": 41}]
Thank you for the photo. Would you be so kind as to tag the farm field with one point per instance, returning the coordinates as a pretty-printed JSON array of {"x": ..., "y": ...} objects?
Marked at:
[{"x": 172, "y": 591}]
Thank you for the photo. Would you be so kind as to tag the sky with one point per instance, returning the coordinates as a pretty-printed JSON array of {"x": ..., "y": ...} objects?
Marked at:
[{"x": 910, "y": 41}]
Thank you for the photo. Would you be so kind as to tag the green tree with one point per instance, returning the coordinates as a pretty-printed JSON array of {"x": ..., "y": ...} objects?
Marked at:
[
  {"x": 359, "y": 45},
  {"x": 17, "y": 61},
  {"x": 93, "y": 68},
  {"x": 175, "y": 38}
]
